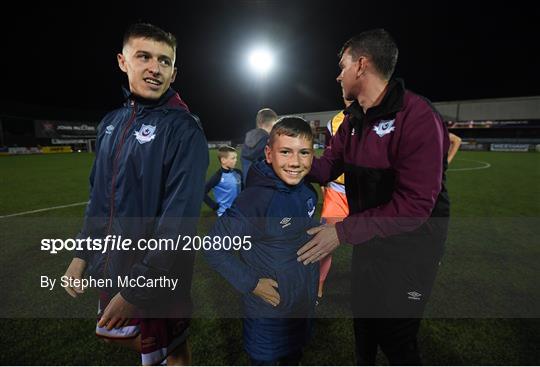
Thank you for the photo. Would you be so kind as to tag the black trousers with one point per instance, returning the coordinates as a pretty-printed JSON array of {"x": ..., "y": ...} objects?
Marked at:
[
  {"x": 396, "y": 337},
  {"x": 391, "y": 282}
]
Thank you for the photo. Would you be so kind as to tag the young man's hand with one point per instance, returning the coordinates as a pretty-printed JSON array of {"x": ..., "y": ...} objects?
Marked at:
[
  {"x": 323, "y": 243},
  {"x": 266, "y": 289},
  {"x": 75, "y": 270},
  {"x": 117, "y": 313}
]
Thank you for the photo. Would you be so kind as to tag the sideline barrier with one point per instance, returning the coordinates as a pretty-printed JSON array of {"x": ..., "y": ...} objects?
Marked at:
[
  {"x": 509, "y": 147},
  {"x": 57, "y": 149},
  {"x": 23, "y": 150}
]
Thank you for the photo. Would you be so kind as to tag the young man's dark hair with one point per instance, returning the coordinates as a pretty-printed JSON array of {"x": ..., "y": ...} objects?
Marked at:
[
  {"x": 147, "y": 30},
  {"x": 291, "y": 126},
  {"x": 224, "y": 151},
  {"x": 378, "y": 45}
]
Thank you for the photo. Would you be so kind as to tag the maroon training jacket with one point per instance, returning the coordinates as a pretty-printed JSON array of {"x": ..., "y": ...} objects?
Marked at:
[{"x": 394, "y": 159}]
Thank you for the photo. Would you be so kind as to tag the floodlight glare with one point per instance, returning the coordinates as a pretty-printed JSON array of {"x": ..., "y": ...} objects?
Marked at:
[{"x": 261, "y": 61}]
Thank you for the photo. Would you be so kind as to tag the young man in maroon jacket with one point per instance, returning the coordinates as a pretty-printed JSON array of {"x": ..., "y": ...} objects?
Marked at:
[{"x": 392, "y": 148}]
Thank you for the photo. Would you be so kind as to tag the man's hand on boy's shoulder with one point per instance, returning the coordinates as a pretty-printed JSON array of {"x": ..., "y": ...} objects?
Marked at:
[
  {"x": 323, "y": 243},
  {"x": 266, "y": 289}
]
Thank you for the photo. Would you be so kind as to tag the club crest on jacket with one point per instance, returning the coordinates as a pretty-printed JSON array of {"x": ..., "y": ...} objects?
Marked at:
[
  {"x": 145, "y": 134},
  {"x": 310, "y": 207},
  {"x": 384, "y": 127}
]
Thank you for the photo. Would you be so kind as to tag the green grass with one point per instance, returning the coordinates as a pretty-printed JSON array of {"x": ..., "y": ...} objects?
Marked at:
[
  {"x": 509, "y": 188},
  {"x": 30, "y": 182},
  {"x": 479, "y": 313}
]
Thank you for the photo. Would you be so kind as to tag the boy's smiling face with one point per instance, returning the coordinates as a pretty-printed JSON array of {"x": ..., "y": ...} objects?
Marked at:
[{"x": 290, "y": 157}]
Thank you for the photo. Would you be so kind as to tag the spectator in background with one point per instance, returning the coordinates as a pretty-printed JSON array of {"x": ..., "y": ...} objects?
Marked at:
[
  {"x": 226, "y": 182},
  {"x": 335, "y": 207},
  {"x": 256, "y": 139}
]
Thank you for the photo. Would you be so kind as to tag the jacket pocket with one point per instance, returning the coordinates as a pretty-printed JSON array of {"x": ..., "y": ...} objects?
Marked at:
[{"x": 295, "y": 285}]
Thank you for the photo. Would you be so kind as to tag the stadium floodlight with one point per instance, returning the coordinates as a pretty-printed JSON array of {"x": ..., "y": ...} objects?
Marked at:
[{"x": 261, "y": 60}]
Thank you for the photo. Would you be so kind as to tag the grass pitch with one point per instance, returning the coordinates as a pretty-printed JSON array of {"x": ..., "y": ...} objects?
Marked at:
[{"x": 482, "y": 311}]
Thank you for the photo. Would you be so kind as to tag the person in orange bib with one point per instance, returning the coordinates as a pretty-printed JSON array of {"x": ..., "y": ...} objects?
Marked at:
[{"x": 335, "y": 207}]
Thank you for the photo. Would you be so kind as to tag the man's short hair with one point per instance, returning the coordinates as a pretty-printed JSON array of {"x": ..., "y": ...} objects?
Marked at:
[
  {"x": 291, "y": 126},
  {"x": 147, "y": 30},
  {"x": 265, "y": 117},
  {"x": 223, "y": 151},
  {"x": 378, "y": 46}
]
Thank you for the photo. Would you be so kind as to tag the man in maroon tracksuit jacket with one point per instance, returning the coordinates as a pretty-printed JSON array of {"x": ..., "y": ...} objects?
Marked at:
[{"x": 392, "y": 147}]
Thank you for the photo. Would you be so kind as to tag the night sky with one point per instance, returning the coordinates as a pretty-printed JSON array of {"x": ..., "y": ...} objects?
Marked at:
[{"x": 64, "y": 57}]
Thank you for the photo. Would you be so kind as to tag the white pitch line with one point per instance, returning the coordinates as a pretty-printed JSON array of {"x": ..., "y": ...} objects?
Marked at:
[
  {"x": 484, "y": 165},
  {"x": 43, "y": 210}
]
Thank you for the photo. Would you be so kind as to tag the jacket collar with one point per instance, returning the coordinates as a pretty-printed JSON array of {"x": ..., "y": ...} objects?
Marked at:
[
  {"x": 170, "y": 100},
  {"x": 391, "y": 103}
]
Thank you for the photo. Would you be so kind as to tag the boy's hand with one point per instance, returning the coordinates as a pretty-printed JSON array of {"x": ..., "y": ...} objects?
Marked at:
[
  {"x": 117, "y": 313},
  {"x": 266, "y": 290},
  {"x": 75, "y": 270}
]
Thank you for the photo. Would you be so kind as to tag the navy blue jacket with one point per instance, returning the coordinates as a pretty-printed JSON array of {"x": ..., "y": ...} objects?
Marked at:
[
  {"x": 147, "y": 181},
  {"x": 276, "y": 216}
]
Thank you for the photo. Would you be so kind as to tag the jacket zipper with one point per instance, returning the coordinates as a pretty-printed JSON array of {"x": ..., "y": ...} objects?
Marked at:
[{"x": 113, "y": 179}]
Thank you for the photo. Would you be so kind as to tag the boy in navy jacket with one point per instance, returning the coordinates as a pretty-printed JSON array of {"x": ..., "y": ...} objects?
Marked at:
[
  {"x": 226, "y": 182},
  {"x": 275, "y": 210}
]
